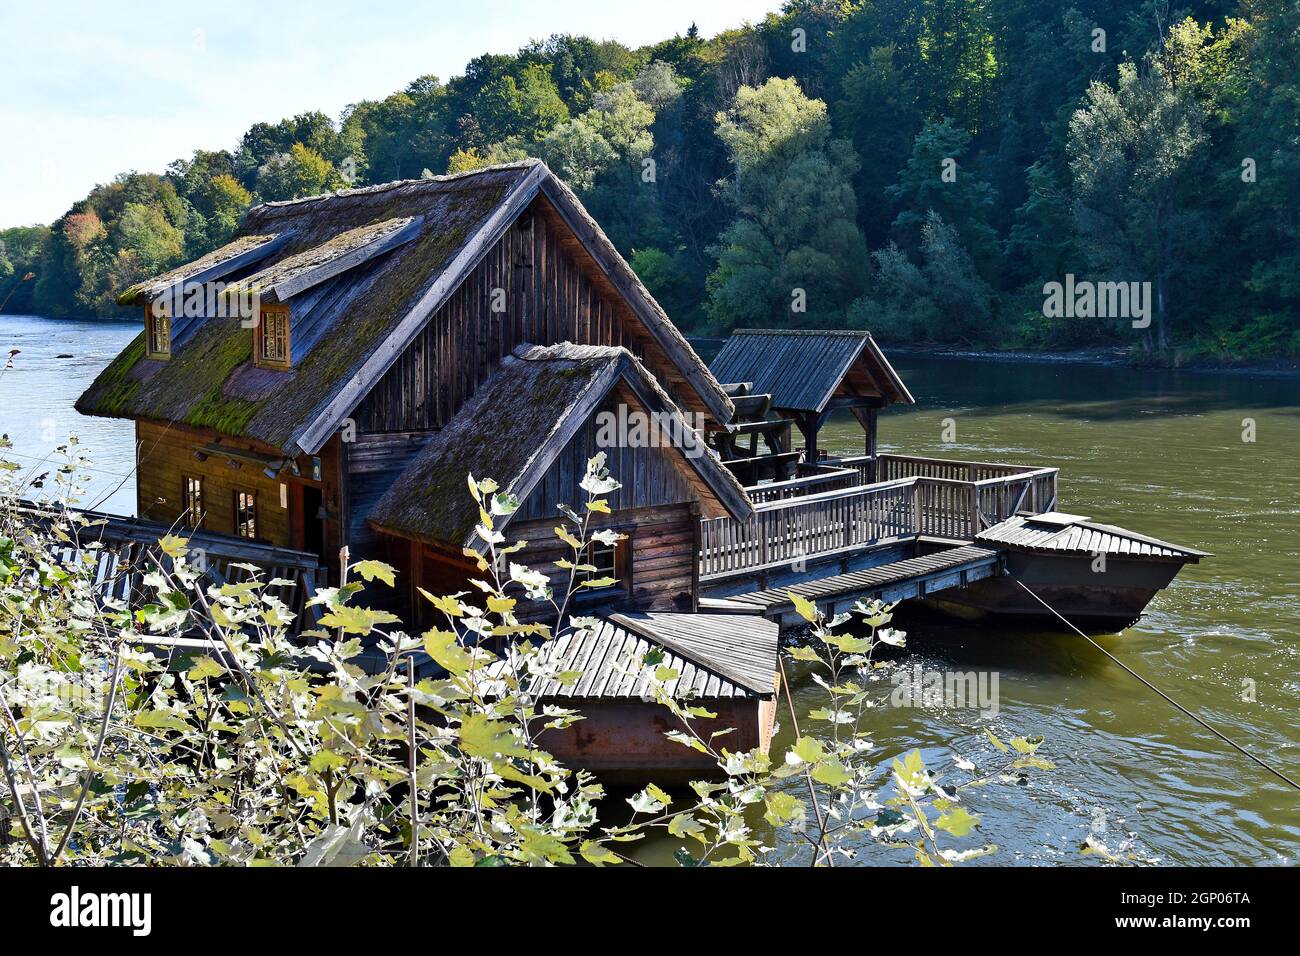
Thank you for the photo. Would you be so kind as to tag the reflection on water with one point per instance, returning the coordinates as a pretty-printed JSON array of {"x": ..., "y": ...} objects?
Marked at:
[{"x": 1157, "y": 451}]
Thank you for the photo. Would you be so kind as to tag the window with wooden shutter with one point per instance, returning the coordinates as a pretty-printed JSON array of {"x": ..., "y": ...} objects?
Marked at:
[
  {"x": 272, "y": 337},
  {"x": 157, "y": 330}
]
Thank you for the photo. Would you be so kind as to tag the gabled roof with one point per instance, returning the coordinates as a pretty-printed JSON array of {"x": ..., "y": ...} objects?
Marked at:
[
  {"x": 1075, "y": 534},
  {"x": 404, "y": 248},
  {"x": 802, "y": 369},
  {"x": 297, "y": 273},
  {"x": 512, "y": 430}
]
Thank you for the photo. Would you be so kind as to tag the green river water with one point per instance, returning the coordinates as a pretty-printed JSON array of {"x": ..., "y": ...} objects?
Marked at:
[
  {"x": 1155, "y": 451},
  {"x": 1162, "y": 453}
]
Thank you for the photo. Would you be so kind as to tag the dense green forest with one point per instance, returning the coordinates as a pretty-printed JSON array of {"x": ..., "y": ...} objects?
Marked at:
[{"x": 921, "y": 168}]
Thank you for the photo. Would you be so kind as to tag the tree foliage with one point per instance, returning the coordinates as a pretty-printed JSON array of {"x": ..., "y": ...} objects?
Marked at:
[
  {"x": 877, "y": 102},
  {"x": 246, "y": 745}
]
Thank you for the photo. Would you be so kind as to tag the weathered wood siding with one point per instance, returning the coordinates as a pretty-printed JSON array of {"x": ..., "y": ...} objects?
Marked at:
[
  {"x": 373, "y": 463},
  {"x": 651, "y": 475},
  {"x": 165, "y": 454},
  {"x": 550, "y": 291},
  {"x": 659, "y": 567}
]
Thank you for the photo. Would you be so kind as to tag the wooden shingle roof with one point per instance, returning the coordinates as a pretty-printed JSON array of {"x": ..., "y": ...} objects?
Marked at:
[
  {"x": 802, "y": 369},
  {"x": 512, "y": 430}
]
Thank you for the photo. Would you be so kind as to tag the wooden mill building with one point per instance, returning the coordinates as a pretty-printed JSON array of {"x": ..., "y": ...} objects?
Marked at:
[
  {"x": 383, "y": 313},
  {"x": 390, "y": 341},
  {"x": 405, "y": 336}
]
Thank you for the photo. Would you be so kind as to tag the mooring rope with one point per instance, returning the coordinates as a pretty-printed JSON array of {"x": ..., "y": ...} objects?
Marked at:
[{"x": 1208, "y": 726}]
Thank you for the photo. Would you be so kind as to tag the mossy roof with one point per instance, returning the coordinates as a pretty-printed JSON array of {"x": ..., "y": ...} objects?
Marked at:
[
  {"x": 241, "y": 249},
  {"x": 209, "y": 380},
  {"x": 348, "y": 325},
  {"x": 292, "y": 270},
  {"x": 512, "y": 429}
]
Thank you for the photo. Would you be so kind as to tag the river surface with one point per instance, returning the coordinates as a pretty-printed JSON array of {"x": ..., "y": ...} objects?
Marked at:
[{"x": 1159, "y": 452}]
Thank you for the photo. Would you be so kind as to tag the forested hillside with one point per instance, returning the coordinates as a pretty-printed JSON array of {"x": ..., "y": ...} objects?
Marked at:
[{"x": 920, "y": 168}]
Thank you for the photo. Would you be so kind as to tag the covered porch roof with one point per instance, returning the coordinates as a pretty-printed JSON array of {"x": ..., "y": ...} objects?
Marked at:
[{"x": 806, "y": 370}]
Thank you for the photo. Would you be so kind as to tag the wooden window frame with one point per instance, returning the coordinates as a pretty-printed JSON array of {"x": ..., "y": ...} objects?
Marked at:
[
  {"x": 236, "y": 510},
  {"x": 618, "y": 567},
  {"x": 192, "y": 520},
  {"x": 151, "y": 323},
  {"x": 259, "y": 337}
]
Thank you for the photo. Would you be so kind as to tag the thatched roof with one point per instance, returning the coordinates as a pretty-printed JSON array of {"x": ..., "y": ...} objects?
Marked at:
[
  {"x": 802, "y": 369},
  {"x": 349, "y": 249},
  {"x": 210, "y": 380},
  {"x": 512, "y": 430},
  {"x": 368, "y": 268}
]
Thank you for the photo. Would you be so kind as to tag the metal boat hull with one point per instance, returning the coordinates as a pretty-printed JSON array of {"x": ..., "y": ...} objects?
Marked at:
[{"x": 1100, "y": 601}]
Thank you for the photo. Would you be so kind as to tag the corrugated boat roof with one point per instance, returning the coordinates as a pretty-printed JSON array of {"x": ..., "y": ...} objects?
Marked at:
[
  {"x": 715, "y": 655},
  {"x": 803, "y": 368},
  {"x": 1072, "y": 534}
]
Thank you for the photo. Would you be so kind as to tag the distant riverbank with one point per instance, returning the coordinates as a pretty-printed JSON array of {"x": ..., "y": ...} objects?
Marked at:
[
  {"x": 1282, "y": 366},
  {"x": 709, "y": 346}
]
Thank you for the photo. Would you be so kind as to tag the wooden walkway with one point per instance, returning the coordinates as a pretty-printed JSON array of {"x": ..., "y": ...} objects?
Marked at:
[
  {"x": 820, "y": 516},
  {"x": 899, "y": 581}
]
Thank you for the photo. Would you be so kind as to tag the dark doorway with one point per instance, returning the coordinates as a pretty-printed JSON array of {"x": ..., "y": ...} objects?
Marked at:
[{"x": 313, "y": 522}]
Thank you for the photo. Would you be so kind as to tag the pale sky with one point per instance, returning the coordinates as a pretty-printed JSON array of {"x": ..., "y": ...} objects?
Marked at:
[{"x": 89, "y": 88}]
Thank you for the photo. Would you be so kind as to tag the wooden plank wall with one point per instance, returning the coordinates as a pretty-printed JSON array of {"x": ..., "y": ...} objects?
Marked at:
[
  {"x": 661, "y": 560},
  {"x": 373, "y": 463},
  {"x": 650, "y": 475},
  {"x": 166, "y": 453},
  {"x": 548, "y": 299}
]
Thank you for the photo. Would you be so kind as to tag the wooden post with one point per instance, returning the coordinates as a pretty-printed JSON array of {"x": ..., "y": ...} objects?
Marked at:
[
  {"x": 871, "y": 445},
  {"x": 696, "y": 544},
  {"x": 808, "y": 425}
]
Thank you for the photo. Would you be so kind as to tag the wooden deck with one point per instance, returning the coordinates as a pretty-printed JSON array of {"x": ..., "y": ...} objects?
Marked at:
[
  {"x": 805, "y": 521},
  {"x": 899, "y": 581}
]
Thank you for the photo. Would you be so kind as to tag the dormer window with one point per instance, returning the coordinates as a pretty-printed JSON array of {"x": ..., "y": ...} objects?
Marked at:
[
  {"x": 158, "y": 330},
  {"x": 271, "y": 337}
]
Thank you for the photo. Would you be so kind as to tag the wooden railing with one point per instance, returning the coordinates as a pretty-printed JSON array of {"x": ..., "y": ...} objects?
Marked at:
[
  {"x": 123, "y": 549},
  {"x": 795, "y": 527},
  {"x": 827, "y": 479},
  {"x": 785, "y": 531}
]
